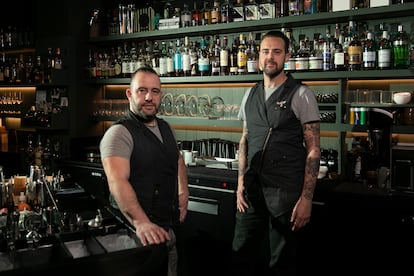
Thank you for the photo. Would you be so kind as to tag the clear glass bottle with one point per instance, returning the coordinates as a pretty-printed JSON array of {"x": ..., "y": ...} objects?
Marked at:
[
  {"x": 186, "y": 16},
  {"x": 225, "y": 57},
  {"x": 215, "y": 58},
  {"x": 252, "y": 56},
  {"x": 185, "y": 56},
  {"x": 369, "y": 53},
  {"x": 384, "y": 52},
  {"x": 194, "y": 59},
  {"x": 170, "y": 60},
  {"x": 163, "y": 59}
]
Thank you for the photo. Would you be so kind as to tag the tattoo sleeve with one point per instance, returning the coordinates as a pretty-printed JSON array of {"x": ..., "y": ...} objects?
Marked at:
[{"x": 311, "y": 132}]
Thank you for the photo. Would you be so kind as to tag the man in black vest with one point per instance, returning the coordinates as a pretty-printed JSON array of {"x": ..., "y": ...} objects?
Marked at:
[
  {"x": 278, "y": 165},
  {"x": 146, "y": 173}
]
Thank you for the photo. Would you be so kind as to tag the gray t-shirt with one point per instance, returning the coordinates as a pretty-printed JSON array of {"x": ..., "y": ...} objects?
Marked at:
[
  {"x": 117, "y": 141},
  {"x": 304, "y": 104}
]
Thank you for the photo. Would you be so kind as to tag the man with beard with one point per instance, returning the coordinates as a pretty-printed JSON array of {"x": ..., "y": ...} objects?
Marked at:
[
  {"x": 146, "y": 174},
  {"x": 279, "y": 156}
]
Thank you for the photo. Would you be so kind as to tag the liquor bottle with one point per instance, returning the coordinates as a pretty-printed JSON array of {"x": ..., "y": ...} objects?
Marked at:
[
  {"x": 267, "y": 9},
  {"x": 233, "y": 57},
  {"x": 186, "y": 16},
  {"x": 238, "y": 11},
  {"x": 20, "y": 70},
  {"x": 196, "y": 16},
  {"x": 294, "y": 7},
  {"x": 126, "y": 65},
  {"x": 155, "y": 57},
  {"x": 163, "y": 59},
  {"x": 194, "y": 59},
  {"x": 215, "y": 12},
  {"x": 38, "y": 152},
  {"x": 185, "y": 56},
  {"x": 339, "y": 57},
  {"x": 251, "y": 10},
  {"x": 206, "y": 14},
  {"x": 215, "y": 58},
  {"x": 252, "y": 57},
  {"x": 50, "y": 65},
  {"x": 38, "y": 70},
  {"x": 13, "y": 71},
  {"x": 401, "y": 49},
  {"x": 203, "y": 59},
  {"x": 58, "y": 59},
  {"x": 384, "y": 52},
  {"x": 178, "y": 61},
  {"x": 302, "y": 56},
  {"x": 225, "y": 57},
  {"x": 354, "y": 50},
  {"x": 320, "y": 54},
  {"x": 170, "y": 60},
  {"x": 282, "y": 8},
  {"x": 369, "y": 53},
  {"x": 310, "y": 6},
  {"x": 134, "y": 63},
  {"x": 47, "y": 155},
  {"x": 2, "y": 60},
  {"x": 242, "y": 56},
  {"x": 226, "y": 10},
  {"x": 290, "y": 65},
  {"x": 359, "y": 4}
]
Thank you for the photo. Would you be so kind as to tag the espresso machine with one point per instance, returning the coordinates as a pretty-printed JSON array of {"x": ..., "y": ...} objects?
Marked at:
[{"x": 379, "y": 136}]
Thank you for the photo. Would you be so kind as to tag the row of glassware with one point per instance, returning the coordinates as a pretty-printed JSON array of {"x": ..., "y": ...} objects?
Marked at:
[{"x": 174, "y": 105}]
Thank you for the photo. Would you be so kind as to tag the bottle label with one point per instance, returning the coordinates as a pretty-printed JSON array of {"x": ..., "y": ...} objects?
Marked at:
[
  {"x": 354, "y": 54},
  {"x": 224, "y": 58},
  {"x": 384, "y": 58},
  {"x": 252, "y": 66}
]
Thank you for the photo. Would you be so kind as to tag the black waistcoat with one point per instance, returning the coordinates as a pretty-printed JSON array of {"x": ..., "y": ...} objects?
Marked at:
[
  {"x": 276, "y": 152},
  {"x": 154, "y": 169}
]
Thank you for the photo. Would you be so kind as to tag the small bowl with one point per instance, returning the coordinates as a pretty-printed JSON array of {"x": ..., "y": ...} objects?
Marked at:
[
  {"x": 402, "y": 97},
  {"x": 322, "y": 172}
]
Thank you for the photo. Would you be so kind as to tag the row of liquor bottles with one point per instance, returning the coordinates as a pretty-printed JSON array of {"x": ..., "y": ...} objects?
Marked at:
[
  {"x": 28, "y": 68},
  {"x": 131, "y": 18},
  {"x": 209, "y": 56},
  {"x": 13, "y": 37},
  {"x": 353, "y": 47}
]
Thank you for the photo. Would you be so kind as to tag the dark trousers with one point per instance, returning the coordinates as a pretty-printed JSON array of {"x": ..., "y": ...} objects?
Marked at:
[{"x": 263, "y": 245}]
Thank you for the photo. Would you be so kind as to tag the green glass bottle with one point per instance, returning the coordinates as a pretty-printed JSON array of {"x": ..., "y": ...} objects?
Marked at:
[{"x": 401, "y": 49}]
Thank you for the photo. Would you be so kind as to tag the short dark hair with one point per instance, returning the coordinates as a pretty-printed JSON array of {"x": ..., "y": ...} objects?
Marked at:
[
  {"x": 144, "y": 69},
  {"x": 277, "y": 34}
]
